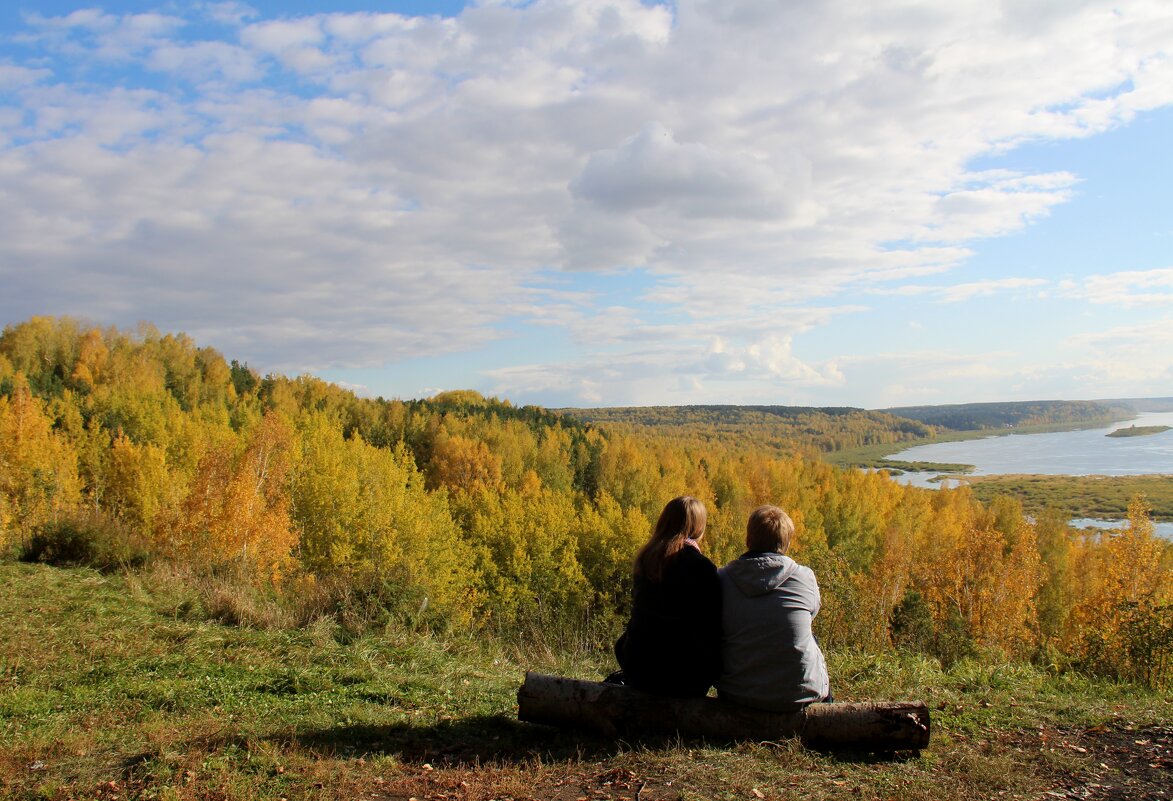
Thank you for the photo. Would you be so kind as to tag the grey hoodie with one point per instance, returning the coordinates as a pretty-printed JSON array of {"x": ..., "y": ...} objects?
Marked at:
[{"x": 771, "y": 660}]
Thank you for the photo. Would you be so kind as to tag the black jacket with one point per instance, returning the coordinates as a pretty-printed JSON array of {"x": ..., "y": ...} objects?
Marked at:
[{"x": 672, "y": 644}]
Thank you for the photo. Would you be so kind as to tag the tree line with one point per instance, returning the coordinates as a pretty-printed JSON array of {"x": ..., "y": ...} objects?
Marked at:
[
  {"x": 1012, "y": 414},
  {"x": 122, "y": 448},
  {"x": 777, "y": 429}
]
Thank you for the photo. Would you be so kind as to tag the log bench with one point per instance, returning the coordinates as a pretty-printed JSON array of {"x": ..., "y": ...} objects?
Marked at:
[{"x": 613, "y": 710}]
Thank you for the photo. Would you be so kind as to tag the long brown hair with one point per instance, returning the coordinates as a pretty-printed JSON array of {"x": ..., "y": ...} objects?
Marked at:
[{"x": 683, "y": 519}]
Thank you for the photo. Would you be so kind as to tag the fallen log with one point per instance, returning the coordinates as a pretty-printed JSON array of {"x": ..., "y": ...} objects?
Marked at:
[{"x": 614, "y": 710}]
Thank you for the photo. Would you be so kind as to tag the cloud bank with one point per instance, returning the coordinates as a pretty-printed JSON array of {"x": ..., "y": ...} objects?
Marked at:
[{"x": 354, "y": 190}]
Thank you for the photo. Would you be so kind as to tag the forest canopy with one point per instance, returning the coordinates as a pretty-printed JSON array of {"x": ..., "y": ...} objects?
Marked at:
[{"x": 124, "y": 448}]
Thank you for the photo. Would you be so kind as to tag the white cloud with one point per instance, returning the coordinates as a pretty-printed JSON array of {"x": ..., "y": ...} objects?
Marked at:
[
  {"x": 958, "y": 293},
  {"x": 281, "y": 35},
  {"x": 761, "y": 373},
  {"x": 102, "y": 36},
  {"x": 228, "y": 13},
  {"x": 652, "y": 170},
  {"x": 204, "y": 61},
  {"x": 996, "y": 205},
  {"x": 1128, "y": 361},
  {"x": 1131, "y": 361},
  {"x": 1128, "y": 289},
  {"x": 937, "y": 377},
  {"x": 16, "y": 77}
]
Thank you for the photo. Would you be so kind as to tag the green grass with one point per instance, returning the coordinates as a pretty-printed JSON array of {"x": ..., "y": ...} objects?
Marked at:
[
  {"x": 113, "y": 686},
  {"x": 1104, "y": 497},
  {"x": 897, "y": 467}
]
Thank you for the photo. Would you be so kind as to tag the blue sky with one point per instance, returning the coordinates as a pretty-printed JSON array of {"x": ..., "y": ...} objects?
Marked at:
[{"x": 607, "y": 202}]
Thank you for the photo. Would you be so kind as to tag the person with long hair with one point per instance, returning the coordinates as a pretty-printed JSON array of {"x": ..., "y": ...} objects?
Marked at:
[{"x": 672, "y": 644}]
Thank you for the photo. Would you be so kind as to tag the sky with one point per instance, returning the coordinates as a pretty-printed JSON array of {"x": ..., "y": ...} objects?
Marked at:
[{"x": 607, "y": 202}]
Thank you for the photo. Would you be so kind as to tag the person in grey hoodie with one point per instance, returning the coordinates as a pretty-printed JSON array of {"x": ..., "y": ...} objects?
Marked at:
[{"x": 769, "y": 655}]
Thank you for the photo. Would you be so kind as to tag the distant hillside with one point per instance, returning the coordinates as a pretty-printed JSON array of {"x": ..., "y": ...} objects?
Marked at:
[
  {"x": 1141, "y": 405},
  {"x": 782, "y": 428},
  {"x": 973, "y": 416}
]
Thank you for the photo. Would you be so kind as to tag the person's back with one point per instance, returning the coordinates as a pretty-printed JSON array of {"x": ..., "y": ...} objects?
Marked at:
[
  {"x": 672, "y": 643},
  {"x": 769, "y": 654}
]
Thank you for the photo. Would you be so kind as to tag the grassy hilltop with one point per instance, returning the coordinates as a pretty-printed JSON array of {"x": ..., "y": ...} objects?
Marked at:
[{"x": 143, "y": 687}]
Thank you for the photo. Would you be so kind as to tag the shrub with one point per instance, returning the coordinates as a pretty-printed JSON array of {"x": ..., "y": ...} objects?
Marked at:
[
  {"x": 92, "y": 539},
  {"x": 1148, "y": 638},
  {"x": 912, "y": 629},
  {"x": 911, "y": 625}
]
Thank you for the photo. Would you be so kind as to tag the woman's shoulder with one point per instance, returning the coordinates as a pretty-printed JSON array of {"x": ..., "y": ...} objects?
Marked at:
[{"x": 691, "y": 560}]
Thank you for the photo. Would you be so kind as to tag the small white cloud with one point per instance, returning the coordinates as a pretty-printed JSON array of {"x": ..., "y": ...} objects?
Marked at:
[
  {"x": 997, "y": 207},
  {"x": 362, "y": 390},
  {"x": 963, "y": 292},
  {"x": 93, "y": 19},
  {"x": 1127, "y": 289},
  {"x": 16, "y": 77},
  {"x": 229, "y": 13},
  {"x": 1127, "y": 361},
  {"x": 278, "y": 36},
  {"x": 958, "y": 293},
  {"x": 203, "y": 61}
]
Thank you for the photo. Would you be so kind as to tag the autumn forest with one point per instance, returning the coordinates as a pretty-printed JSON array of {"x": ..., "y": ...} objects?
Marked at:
[{"x": 122, "y": 449}]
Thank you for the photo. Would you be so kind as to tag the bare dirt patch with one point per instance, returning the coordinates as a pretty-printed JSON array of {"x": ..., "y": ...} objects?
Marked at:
[{"x": 1111, "y": 762}]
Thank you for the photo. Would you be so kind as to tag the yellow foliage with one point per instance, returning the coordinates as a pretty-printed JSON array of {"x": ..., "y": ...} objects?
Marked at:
[
  {"x": 551, "y": 460},
  {"x": 1127, "y": 590},
  {"x": 883, "y": 586},
  {"x": 628, "y": 475},
  {"x": 138, "y": 484},
  {"x": 38, "y": 468},
  {"x": 460, "y": 397},
  {"x": 236, "y": 514},
  {"x": 528, "y": 547},
  {"x": 529, "y": 516},
  {"x": 609, "y": 537},
  {"x": 463, "y": 464},
  {"x": 984, "y": 574},
  {"x": 1005, "y": 614},
  {"x": 92, "y": 355},
  {"x": 364, "y": 512}
]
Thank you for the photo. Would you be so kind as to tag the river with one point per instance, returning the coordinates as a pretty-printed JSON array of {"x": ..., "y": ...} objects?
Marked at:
[{"x": 1088, "y": 452}]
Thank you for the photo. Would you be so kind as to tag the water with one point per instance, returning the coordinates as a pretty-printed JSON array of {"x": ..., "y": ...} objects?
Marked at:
[{"x": 1074, "y": 453}]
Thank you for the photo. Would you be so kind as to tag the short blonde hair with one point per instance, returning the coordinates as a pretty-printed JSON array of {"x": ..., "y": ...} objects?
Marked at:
[{"x": 769, "y": 529}]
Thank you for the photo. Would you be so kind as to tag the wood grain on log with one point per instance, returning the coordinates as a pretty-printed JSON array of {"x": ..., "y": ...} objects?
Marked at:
[{"x": 613, "y": 710}]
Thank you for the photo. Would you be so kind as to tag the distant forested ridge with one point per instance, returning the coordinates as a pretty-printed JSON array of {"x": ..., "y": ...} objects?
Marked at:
[
  {"x": 779, "y": 428},
  {"x": 975, "y": 416},
  {"x": 123, "y": 449},
  {"x": 1141, "y": 405}
]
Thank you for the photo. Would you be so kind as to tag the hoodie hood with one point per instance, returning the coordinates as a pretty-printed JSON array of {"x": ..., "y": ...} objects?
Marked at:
[{"x": 759, "y": 573}]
